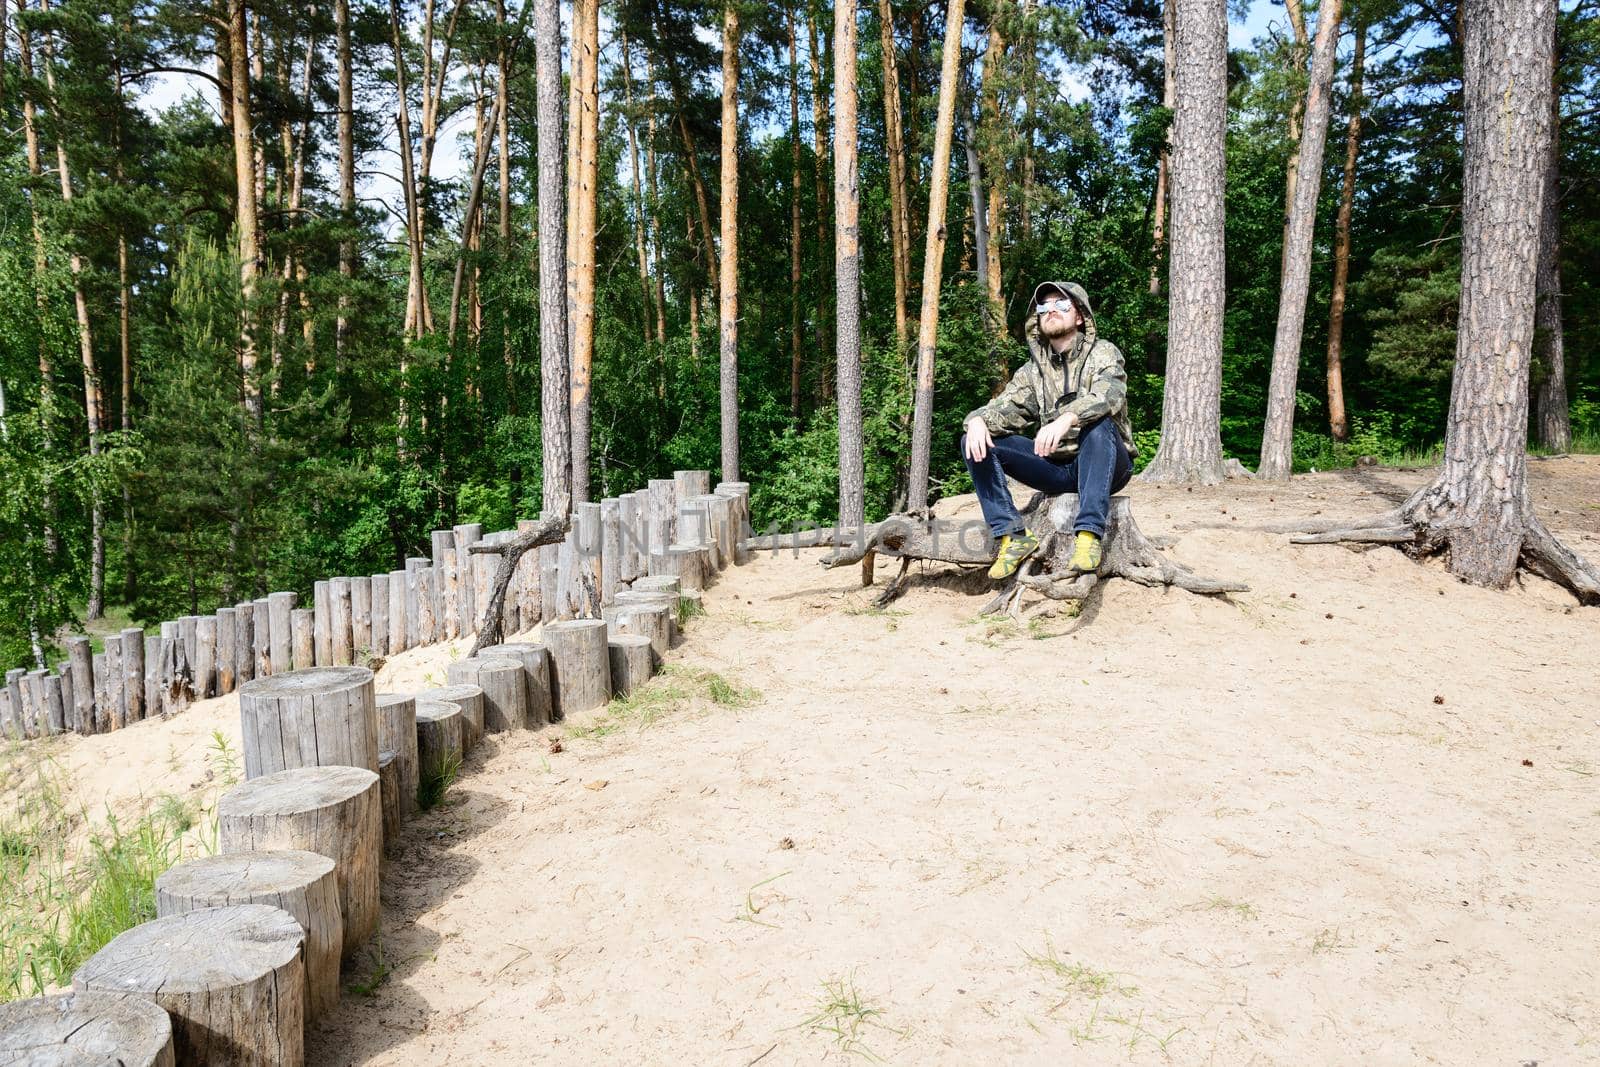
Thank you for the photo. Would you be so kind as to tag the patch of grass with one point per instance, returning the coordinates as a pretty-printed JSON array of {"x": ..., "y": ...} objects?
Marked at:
[
  {"x": 1077, "y": 979},
  {"x": 750, "y": 909},
  {"x": 672, "y": 690},
  {"x": 689, "y": 608},
  {"x": 844, "y": 1015},
  {"x": 377, "y": 975},
  {"x": 432, "y": 789},
  {"x": 1242, "y": 908}
]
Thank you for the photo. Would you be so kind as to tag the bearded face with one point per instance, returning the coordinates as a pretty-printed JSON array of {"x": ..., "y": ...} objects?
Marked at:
[{"x": 1054, "y": 325}]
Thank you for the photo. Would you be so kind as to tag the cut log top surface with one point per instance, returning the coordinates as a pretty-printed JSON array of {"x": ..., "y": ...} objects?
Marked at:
[
  {"x": 434, "y": 710},
  {"x": 574, "y": 626},
  {"x": 311, "y": 681},
  {"x": 389, "y": 700},
  {"x": 245, "y": 875},
  {"x": 85, "y": 1028},
  {"x": 450, "y": 694},
  {"x": 293, "y": 791},
  {"x": 196, "y": 952}
]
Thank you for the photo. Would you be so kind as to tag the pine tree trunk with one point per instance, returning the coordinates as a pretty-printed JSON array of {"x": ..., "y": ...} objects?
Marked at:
[
  {"x": 1479, "y": 506},
  {"x": 586, "y": 34},
  {"x": 1277, "y": 443},
  {"x": 729, "y": 303},
  {"x": 1338, "y": 421},
  {"x": 1552, "y": 425},
  {"x": 980, "y": 218},
  {"x": 93, "y": 393},
  {"x": 1191, "y": 414},
  {"x": 655, "y": 217},
  {"x": 900, "y": 235},
  {"x": 1297, "y": 102},
  {"x": 347, "y": 178},
  {"x": 933, "y": 261},
  {"x": 794, "y": 220},
  {"x": 994, "y": 166},
  {"x": 503, "y": 217},
  {"x": 1158, "y": 223},
  {"x": 638, "y": 192},
  {"x": 1030, "y": 120},
  {"x": 847, "y": 268},
  {"x": 470, "y": 217},
  {"x": 414, "y": 325},
  {"x": 554, "y": 371},
  {"x": 819, "y": 123}
]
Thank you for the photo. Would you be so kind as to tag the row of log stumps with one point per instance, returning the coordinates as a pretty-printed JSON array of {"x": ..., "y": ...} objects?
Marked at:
[{"x": 248, "y": 944}]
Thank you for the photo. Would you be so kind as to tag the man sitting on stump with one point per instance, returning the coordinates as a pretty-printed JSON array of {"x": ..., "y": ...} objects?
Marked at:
[{"x": 1074, "y": 389}]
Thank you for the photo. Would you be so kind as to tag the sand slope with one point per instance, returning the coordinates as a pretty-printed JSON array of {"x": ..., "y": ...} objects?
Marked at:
[{"x": 1349, "y": 815}]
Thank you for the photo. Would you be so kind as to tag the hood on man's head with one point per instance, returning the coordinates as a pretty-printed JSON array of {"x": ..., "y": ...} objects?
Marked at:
[{"x": 1076, "y": 292}]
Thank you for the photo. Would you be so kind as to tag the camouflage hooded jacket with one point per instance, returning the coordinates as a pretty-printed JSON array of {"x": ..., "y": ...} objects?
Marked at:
[{"x": 1088, "y": 380}]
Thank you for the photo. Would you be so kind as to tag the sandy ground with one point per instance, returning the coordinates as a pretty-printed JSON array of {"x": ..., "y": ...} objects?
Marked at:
[{"x": 1349, "y": 815}]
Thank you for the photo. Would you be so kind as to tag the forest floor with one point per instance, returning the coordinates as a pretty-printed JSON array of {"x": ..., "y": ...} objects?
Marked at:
[{"x": 1348, "y": 815}]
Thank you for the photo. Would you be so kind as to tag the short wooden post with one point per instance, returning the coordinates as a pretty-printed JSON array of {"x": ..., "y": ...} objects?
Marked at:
[
  {"x": 483, "y": 568},
  {"x": 232, "y": 979},
  {"x": 632, "y": 662},
  {"x": 83, "y": 1028},
  {"x": 694, "y": 523},
  {"x": 205, "y": 664},
  {"x": 188, "y": 628},
  {"x": 10, "y": 726},
  {"x": 587, "y": 520},
  {"x": 80, "y": 653},
  {"x": 439, "y": 737},
  {"x": 391, "y": 798},
  {"x": 414, "y": 566},
  {"x": 153, "y": 650},
  {"x": 361, "y": 620},
  {"x": 652, "y": 621},
  {"x": 303, "y": 638},
  {"x": 69, "y": 709},
  {"x": 177, "y": 682},
  {"x": 397, "y": 613},
  {"x": 226, "y": 676},
  {"x": 681, "y": 562},
  {"x": 580, "y": 666},
  {"x": 110, "y": 681},
  {"x": 132, "y": 674},
  {"x": 301, "y": 883},
  {"x": 55, "y": 708},
  {"x": 722, "y": 511},
  {"x": 504, "y": 695},
  {"x": 663, "y": 514},
  {"x": 691, "y": 483},
  {"x": 244, "y": 636},
  {"x": 628, "y": 522},
  {"x": 653, "y": 598},
  {"x": 280, "y": 605},
  {"x": 339, "y": 622},
  {"x": 740, "y": 491},
  {"x": 658, "y": 583},
  {"x": 380, "y": 614},
  {"x": 14, "y": 679},
  {"x": 321, "y": 717},
  {"x": 427, "y": 606},
  {"x": 397, "y": 733},
  {"x": 446, "y": 598},
  {"x": 322, "y": 602},
  {"x": 610, "y": 548},
  {"x": 332, "y": 811},
  {"x": 261, "y": 619},
  {"x": 468, "y": 697},
  {"x": 535, "y": 660},
  {"x": 550, "y": 589},
  {"x": 467, "y": 535}
]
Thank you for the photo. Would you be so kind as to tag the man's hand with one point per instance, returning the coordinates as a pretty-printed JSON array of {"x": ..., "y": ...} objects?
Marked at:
[
  {"x": 978, "y": 440},
  {"x": 1050, "y": 435}
]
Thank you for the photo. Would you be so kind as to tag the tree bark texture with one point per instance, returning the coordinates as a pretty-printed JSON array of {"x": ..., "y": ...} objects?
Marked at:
[
  {"x": 1338, "y": 420},
  {"x": 1277, "y": 443},
  {"x": 728, "y": 301},
  {"x": 81, "y": 1027},
  {"x": 847, "y": 270},
  {"x": 586, "y": 42},
  {"x": 1191, "y": 413},
  {"x": 1551, "y": 419},
  {"x": 795, "y": 362},
  {"x": 899, "y": 210},
  {"x": 554, "y": 367},
  {"x": 933, "y": 260}
]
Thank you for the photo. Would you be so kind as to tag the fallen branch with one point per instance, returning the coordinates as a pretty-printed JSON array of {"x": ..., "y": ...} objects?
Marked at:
[{"x": 547, "y": 532}]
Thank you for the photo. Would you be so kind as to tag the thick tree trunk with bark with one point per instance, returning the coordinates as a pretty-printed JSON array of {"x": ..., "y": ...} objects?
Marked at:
[
  {"x": 1297, "y": 102},
  {"x": 933, "y": 261},
  {"x": 847, "y": 268},
  {"x": 553, "y": 365},
  {"x": 995, "y": 170},
  {"x": 819, "y": 129},
  {"x": 1277, "y": 443},
  {"x": 1551, "y": 419},
  {"x": 638, "y": 192},
  {"x": 1478, "y": 510},
  {"x": 1158, "y": 214},
  {"x": 728, "y": 304},
  {"x": 1191, "y": 413},
  {"x": 1338, "y": 421},
  {"x": 347, "y": 176}
]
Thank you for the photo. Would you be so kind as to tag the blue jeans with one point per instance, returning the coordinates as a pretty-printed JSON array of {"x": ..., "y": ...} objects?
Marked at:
[{"x": 1101, "y": 467}]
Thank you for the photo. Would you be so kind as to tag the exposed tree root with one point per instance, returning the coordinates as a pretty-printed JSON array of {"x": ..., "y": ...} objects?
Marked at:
[
  {"x": 1126, "y": 553},
  {"x": 1424, "y": 526}
]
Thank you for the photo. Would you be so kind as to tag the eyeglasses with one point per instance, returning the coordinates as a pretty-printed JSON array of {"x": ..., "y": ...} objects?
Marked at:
[{"x": 1062, "y": 305}]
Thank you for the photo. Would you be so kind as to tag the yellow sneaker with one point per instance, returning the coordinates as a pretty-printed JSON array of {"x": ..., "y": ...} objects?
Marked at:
[
  {"x": 1014, "y": 548},
  {"x": 1086, "y": 552}
]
